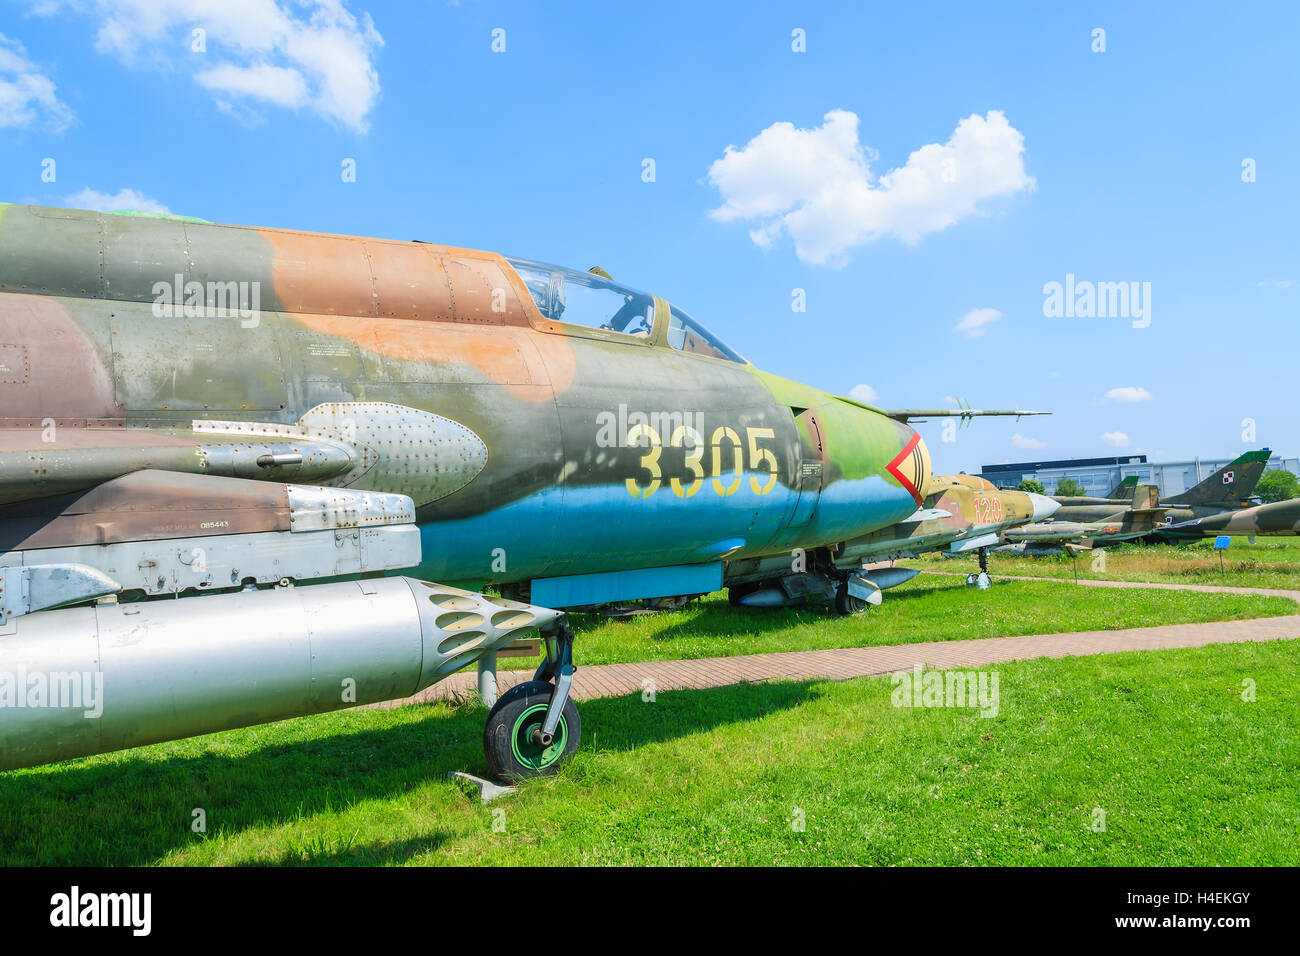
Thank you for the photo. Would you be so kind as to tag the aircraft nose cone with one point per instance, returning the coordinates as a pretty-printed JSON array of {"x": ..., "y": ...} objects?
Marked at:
[{"x": 1044, "y": 507}]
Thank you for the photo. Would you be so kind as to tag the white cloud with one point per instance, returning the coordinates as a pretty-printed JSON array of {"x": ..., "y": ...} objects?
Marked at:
[
  {"x": 817, "y": 185},
  {"x": 27, "y": 95},
  {"x": 973, "y": 323},
  {"x": 863, "y": 393},
  {"x": 277, "y": 85},
  {"x": 1129, "y": 393},
  {"x": 313, "y": 55},
  {"x": 1020, "y": 441},
  {"x": 123, "y": 199},
  {"x": 1115, "y": 439}
]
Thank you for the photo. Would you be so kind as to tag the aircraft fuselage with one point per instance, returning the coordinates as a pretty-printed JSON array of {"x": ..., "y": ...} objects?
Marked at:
[{"x": 531, "y": 447}]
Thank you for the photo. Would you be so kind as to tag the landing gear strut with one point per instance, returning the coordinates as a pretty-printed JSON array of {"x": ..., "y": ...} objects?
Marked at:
[
  {"x": 534, "y": 727},
  {"x": 980, "y": 580}
]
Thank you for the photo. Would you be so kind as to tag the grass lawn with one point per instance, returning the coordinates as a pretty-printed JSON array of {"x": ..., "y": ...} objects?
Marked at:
[
  {"x": 1268, "y": 563},
  {"x": 927, "y": 608},
  {"x": 1185, "y": 770}
]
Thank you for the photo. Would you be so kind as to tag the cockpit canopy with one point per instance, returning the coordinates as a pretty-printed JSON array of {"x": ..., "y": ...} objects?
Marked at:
[{"x": 596, "y": 302}]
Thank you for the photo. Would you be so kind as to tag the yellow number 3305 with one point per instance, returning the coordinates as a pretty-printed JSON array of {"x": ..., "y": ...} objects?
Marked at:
[{"x": 760, "y": 459}]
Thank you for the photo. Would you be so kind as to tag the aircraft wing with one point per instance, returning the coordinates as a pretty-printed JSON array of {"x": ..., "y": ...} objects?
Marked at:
[{"x": 925, "y": 514}]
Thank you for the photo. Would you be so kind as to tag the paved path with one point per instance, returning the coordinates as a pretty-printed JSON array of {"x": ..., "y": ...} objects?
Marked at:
[
  {"x": 1092, "y": 582},
  {"x": 614, "y": 680}
]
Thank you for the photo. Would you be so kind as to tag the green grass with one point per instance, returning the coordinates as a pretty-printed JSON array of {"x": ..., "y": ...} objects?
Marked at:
[
  {"x": 1187, "y": 772},
  {"x": 927, "y": 608},
  {"x": 1268, "y": 563}
]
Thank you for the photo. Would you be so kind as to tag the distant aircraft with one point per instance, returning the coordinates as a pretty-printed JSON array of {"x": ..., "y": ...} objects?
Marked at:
[
  {"x": 1229, "y": 487},
  {"x": 1275, "y": 518},
  {"x": 224, "y": 413},
  {"x": 1124, "y": 490},
  {"x": 1102, "y": 520},
  {"x": 1144, "y": 514},
  {"x": 960, "y": 514}
]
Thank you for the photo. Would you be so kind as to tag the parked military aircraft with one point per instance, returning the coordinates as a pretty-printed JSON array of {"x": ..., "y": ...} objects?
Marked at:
[
  {"x": 1144, "y": 514},
  {"x": 960, "y": 514},
  {"x": 1229, "y": 488},
  {"x": 1083, "y": 521},
  {"x": 224, "y": 412},
  {"x": 1277, "y": 517}
]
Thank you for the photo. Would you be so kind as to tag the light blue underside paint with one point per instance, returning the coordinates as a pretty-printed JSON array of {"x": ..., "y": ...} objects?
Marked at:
[
  {"x": 847, "y": 509},
  {"x": 579, "y": 530},
  {"x": 606, "y": 586}
]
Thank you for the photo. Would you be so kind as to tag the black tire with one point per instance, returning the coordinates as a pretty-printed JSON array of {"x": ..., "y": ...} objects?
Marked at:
[
  {"x": 506, "y": 743},
  {"x": 846, "y": 604},
  {"x": 519, "y": 690}
]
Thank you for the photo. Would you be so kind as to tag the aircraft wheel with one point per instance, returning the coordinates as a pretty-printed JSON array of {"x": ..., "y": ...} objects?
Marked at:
[
  {"x": 846, "y": 603},
  {"x": 511, "y": 751}
]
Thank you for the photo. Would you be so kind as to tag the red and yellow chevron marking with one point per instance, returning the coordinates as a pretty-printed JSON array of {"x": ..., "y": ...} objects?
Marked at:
[{"x": 912, "y": 468}]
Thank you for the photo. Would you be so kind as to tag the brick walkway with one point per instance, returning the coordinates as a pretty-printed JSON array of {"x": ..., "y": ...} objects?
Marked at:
[
  {"x": 614, "y": 680},
  {"x": 1090, "y": 582}
]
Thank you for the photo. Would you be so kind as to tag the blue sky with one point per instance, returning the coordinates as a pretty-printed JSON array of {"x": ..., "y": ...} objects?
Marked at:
[{"x": 1117, "y": 166}]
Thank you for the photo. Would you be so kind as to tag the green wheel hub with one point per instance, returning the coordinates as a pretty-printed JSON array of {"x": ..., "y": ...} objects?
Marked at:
[{"x": 532, "y": 755}]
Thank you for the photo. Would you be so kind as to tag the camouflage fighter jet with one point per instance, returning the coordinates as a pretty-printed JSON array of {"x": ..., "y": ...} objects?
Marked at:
[
  {"x": 960, "y": 514},
  {"x": 1227, "y": 489},
  {"x": 1083, "y": 521},
  {"x": 1274, "y": 518},
  {"x": 228, "y": 413},
  {"x": 1051, "y": 537}
]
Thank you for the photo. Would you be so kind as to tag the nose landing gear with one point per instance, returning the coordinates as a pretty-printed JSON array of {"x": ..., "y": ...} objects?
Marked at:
[
  {"x": 980, "y": 580},
  {"x": 534, "y": 727}
]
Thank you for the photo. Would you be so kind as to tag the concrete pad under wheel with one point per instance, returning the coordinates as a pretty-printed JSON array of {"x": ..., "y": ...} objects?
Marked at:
[{"x": 487, "y": 790}]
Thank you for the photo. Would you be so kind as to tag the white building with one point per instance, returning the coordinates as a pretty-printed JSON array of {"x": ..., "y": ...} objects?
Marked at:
[{"x": 1099, "y": 476}]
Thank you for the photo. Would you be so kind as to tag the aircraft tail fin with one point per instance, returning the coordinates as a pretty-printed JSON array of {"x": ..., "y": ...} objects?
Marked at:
[
  {"x": 1125, "y": 488},
  {"x": 1145, "y": 498},
  {"x": 1146, "y": 513},
  {"x": 1230, "y": 485}
]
